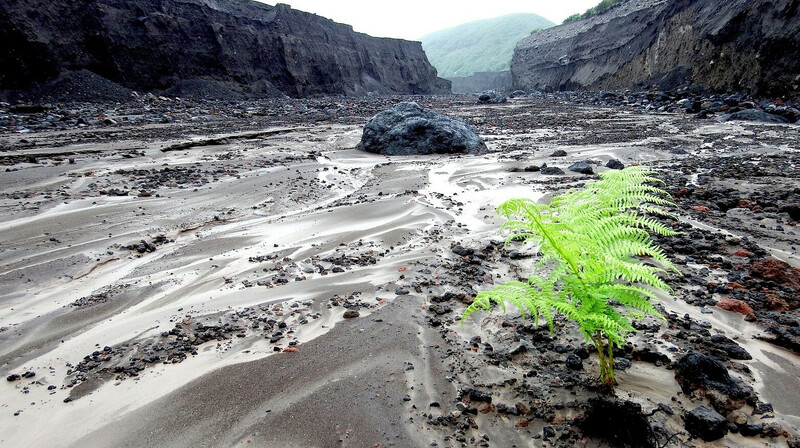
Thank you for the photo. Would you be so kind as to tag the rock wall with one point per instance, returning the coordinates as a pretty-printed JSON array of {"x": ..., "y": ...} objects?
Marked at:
[
  {"x": 481, "y": 81},
  {"x": 214, "y": 47},
  {"x": 749, "y": 46}
]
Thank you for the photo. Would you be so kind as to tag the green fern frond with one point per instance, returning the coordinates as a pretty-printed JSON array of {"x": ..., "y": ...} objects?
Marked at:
[{"x": 591, "y": 241}]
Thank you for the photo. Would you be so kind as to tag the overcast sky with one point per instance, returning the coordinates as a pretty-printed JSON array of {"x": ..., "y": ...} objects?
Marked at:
[{"x": 411, "y": 19}]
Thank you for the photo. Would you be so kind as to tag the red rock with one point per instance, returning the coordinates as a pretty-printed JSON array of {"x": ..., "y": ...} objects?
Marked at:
[
  {"x": 775, "y": 303},
  {"x": 737, "y": 306},
  {"x": 742, "y": 253},
  {"x": 682, "y": 192},
  {"x": 734, "y": 285},
  {"x": 778, "y": 271},
  {"x": 291, "y": 350},
  {"x": 701, "y": 208},
  {"x": 744, "y": 203}
]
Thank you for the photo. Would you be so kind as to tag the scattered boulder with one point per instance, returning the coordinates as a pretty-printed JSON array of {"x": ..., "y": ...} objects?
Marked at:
[
  {"x": 602, "y": 421},
  {"x": 551, "y": 170},
  {"x": 583, "y": 167},
  {"x": 736, "y": 306},
  {"x": 351, "y": 314},
  {"x": 705, "y": 423},
  {"x": 559, "y": 153},
  {"x": 491, "y": 97},
  {"x": 777, "y": 271},
  {"x": 615, "y": 164},
  {"x": 574, "y": 362},
  {"x": 703, "y": 376},
  {"x": 410, "y": 129}
]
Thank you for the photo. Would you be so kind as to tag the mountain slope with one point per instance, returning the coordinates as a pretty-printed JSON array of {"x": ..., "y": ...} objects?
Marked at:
[
  {"x": 236, "y": 47},
  {"x": 480, "y": 46},
  {"x": 750, "y": 46}
]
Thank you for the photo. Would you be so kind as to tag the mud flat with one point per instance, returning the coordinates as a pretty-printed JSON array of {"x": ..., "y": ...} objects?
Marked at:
[{"x": 216, "y": 281}]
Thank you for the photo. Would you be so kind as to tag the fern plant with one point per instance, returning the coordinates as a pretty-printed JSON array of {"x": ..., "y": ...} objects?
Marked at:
[{"x": 592, "y": 241}]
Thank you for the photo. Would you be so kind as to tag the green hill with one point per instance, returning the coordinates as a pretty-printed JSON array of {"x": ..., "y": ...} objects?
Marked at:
[{"x": 480, "y": 46}]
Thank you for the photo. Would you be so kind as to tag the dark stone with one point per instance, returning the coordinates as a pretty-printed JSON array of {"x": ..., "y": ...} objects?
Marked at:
[
  {"x": 13, "y": 377},
  {"x": 754, "y": 115},
  {"x": 410, "y": 129},
  {"x": 705, "y": 423},
  {"x": 622, "y": 363},
  {"x": 491, "y": 97},
  {"x": 559, "y": 153},
  {"x": 582, "y": 167},
  {"x": 479, "y": 396},
  {"x": 603, "y": 418},
  {"x": 705, "y": 376},
  {"x": 574, "y": 362},
  {"x": 401, "y": 291},
  {"x": 751, "y": 430},
  {"x": 351, "y": 314},
  {"x": 615, "y": 164},
  {"x": 463, "y": 251},
  {"x": 734, "y": 350},
  {"x": 552, "y": 170},
  {"x": 548, "y": 432}
]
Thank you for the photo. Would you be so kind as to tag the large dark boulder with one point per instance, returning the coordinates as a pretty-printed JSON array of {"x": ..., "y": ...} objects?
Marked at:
[
  {"x": 703, "y": 376},
  {"x": 203, "y": 48},
  {"x": 410, "y": 129},
  {"x": 705, "y": 423}
]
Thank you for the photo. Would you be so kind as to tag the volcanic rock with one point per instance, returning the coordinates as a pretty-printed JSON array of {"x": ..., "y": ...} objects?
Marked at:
[
  {"x": 410, "y": 129},
  {"x": 705, "y": 423},
  {"x": 704, "y": 376}
]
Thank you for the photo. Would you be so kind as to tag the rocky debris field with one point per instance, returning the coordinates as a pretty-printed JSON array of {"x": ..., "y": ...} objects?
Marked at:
[{"x": 247, "y": 254}]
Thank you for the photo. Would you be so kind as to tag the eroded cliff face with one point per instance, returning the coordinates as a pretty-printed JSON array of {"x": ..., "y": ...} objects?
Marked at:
[
  {"x": 220, "y": 47},
  {"x": 750, "y": 46}
]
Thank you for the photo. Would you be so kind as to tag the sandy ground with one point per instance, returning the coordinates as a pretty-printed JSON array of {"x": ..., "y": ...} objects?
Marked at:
[{"x": 246, "y": 229}]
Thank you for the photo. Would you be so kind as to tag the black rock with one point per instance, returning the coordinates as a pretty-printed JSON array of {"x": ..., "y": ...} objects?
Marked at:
[
  {"x": 603, "y": 418},
  {"x": 707, "y": 376},
  {"x": 615, "y": 164},
  {"x": 351, "y": 314},
  {"x": 734, "y": 350},
  {"x": 751, "y": 430},
  {"x": 491, "y": 97},
  {"x": 622, "y": 363},
  {"x": 479, "y": 396},
  {"x": 548, "y": 432},
  {"x": 582, "y": 167},
  {"x": 754, "y": 115},
  {"x": 705, "y": 423},
  {"x": 13, "y": 377},
  {"x": 552, "y": 170},
  {"x": 410, "y": 129},
  {"x": 574, "y": 362},
  {"x": 401, "y": 291},
  {"x": 559, "y": 153},
  {"x": 463, "y": 251}
]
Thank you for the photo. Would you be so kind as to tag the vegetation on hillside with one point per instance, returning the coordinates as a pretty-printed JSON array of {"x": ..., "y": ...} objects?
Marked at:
[
  {"x": 598, "y": 9},
  {"x": 480, "y": 46},
  {"x": 599, "y": 266}
]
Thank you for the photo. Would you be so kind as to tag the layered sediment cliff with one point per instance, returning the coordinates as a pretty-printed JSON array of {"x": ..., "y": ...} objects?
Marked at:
[
  {"x": 750, "y": 46},
  {"x": 212, "y": 47}
]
